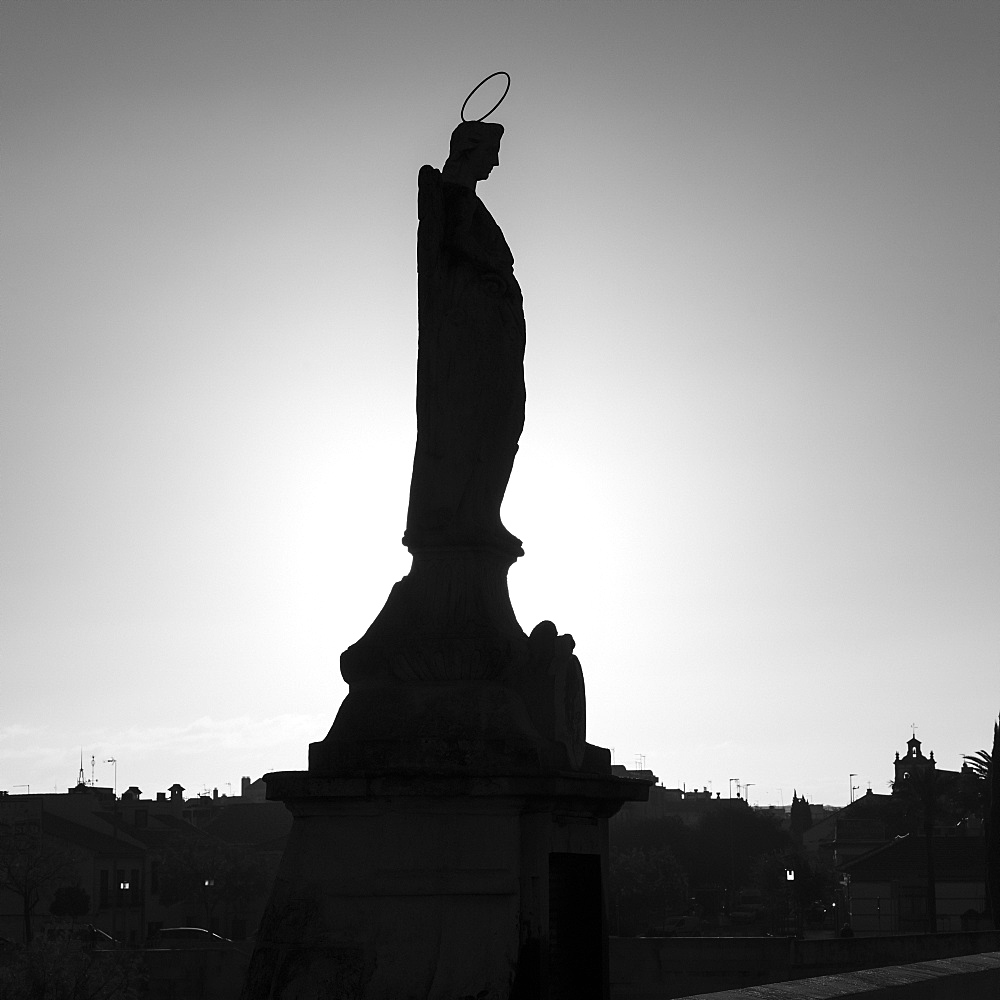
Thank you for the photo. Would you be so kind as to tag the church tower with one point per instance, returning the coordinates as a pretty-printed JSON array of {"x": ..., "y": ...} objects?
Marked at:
[{"x": 913, "y": 761}]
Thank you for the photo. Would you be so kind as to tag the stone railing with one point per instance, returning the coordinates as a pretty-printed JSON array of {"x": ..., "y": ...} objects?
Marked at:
[{"x": 663, "y": 968}]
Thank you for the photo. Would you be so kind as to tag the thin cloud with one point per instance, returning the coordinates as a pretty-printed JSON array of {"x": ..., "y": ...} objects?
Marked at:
[{"x": 242, "y": 733}]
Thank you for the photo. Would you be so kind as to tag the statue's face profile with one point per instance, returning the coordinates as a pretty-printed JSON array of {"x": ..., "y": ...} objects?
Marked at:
[
  {"x": 473, "y": 153},
  {"x": 482, "y": 158}
]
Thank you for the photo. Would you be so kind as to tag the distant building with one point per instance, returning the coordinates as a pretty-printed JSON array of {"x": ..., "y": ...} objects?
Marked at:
[
  {"x": 868, "y": 822},
  {"x": 877, "y": 844},
  {"x": 872, "y": 819},
  {"x": 914, "y": 762},
  {"x": 113, "y": 848},
  {"x": 888, "y": 885},
  {"x": 688, "y": 807}
]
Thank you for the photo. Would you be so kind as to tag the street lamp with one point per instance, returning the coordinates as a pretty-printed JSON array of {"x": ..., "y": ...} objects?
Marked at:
[
  {"x": 115, "y": 878},
  {"x": 732, "y": 849}
]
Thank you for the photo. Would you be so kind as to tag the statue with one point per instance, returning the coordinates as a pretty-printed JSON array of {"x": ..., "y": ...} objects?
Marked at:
[
  {"x": 450, "y": 834},
  {"x": 470, "y": 365},
  {"x": 447, "y": 654}
]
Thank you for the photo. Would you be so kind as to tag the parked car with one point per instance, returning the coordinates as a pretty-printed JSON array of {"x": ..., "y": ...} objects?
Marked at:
[{"x": 187, "y": 937}]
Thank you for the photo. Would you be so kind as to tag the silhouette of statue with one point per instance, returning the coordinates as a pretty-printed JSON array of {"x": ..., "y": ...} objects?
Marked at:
[
  {"x": 455, "y": 791},
  {"x": 446, "y": 655},
  {"x": 470, "y": 366}
]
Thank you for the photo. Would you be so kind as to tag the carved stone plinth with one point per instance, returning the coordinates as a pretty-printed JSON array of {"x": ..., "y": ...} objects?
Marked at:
[
  {"x": 445, "y": 675},
  {"x": 439, "y": 886},
  {"x": 450, "y": 836}
]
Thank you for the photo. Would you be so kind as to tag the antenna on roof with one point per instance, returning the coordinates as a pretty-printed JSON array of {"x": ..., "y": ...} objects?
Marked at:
[{"x": 81, "y": 780}]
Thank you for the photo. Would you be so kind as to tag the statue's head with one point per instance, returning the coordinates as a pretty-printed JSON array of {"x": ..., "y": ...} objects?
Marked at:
[{"x": 474, "y": 151}]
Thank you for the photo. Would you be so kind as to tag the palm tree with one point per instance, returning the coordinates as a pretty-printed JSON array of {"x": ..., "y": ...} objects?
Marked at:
[
  {"x": 993, "y": 835},
  {"x": 979, "y": 763},
  {"x": 988, "y": 781}
]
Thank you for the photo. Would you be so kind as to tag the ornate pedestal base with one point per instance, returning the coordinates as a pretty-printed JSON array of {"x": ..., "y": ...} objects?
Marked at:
[
  {"x": 450, "y": 836},
  {"x": 439, "y": 886}
]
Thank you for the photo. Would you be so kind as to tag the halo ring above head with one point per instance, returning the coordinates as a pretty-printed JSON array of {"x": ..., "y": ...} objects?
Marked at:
[{"x": 499, "y": 72}]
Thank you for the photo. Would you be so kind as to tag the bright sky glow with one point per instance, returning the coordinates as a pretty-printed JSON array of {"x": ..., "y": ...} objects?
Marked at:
[{"x": 760, "y": 473}]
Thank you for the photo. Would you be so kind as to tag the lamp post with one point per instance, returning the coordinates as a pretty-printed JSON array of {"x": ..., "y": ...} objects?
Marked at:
[
  {"x": 790, "y": 884},
  {"x": 114, "y": 880},
  {"x": 732, "y": 850}
]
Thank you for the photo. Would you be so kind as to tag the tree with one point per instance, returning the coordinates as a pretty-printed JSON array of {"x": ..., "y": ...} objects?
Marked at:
[
  {"x": 70, "y": 901},
  {"x": 792, "y": 902},
  {"x": 646, "y": 886},
  {"x": 718, "y": 853},
  {"x": 984, "y": 773},
  {"x": 66, "y": 970},
  {"x": 979, "y": 763},
  {"x": 211, "y": 873},
  {"x": 993, "y": 831},
  {"x": 800, "y": 817},
  {"x": 29, "y": 864}
]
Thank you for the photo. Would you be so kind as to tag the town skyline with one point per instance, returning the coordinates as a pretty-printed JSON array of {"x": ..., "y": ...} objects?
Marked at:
[
  {"x": 758, "y": 476},
  {"x": 89, "y": 767}
]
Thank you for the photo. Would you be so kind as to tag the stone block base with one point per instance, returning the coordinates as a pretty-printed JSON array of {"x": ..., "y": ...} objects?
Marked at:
[{"x": 439, "y": 886}]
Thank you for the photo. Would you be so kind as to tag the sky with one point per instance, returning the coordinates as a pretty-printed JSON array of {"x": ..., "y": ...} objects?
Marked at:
[{"x": 759, "y": 480}]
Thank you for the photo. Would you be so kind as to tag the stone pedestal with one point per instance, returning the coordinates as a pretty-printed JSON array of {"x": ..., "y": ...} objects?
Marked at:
[
  {"x": 450, "y": 836},
  {"x": 439, "y": 886}
]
